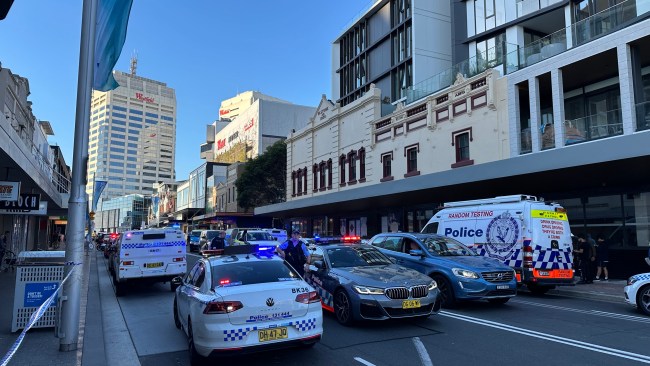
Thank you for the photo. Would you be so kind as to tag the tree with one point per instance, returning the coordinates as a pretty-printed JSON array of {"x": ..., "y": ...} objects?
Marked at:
[{"x": 263, "y": 180}]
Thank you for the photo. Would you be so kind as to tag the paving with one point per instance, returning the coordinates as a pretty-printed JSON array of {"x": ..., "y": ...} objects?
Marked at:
[{"x": 102, "y": 328}]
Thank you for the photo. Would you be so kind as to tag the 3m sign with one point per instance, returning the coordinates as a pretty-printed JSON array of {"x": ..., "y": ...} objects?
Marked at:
[{"x": 9, "y": 191}]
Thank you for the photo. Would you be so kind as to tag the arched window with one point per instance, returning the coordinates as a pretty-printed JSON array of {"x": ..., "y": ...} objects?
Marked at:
[
  {"x": 362, "y": 164},
  {"x": 342, "y": 170}
]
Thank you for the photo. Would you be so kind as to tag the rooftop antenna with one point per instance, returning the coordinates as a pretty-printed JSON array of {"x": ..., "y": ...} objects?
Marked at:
[{"x": 134, "y": 62}]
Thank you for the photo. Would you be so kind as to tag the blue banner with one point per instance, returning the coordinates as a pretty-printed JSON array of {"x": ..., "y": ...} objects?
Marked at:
[
  {"x": 97, "y": 192},
  {"x": 112, "y": 21}
]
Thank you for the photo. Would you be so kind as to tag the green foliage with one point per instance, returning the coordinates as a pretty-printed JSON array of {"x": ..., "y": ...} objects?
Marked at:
[{"x": 263, "y": 180}]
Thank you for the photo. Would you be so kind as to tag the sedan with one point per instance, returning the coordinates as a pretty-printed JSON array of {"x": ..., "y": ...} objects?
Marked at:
[
  {"x": 239, "y": 303},
  {"x": 637, "y": 292},
  {"x": 461, "y": 274},
  {"x": 358, "y": 282}
]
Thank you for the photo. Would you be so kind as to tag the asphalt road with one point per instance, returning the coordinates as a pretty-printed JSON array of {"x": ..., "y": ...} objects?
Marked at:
[{"x": 530, "y": 330}]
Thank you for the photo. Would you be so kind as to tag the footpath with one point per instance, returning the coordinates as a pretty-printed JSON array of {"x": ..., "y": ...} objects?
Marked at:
[{"x": 102, "y": 330}]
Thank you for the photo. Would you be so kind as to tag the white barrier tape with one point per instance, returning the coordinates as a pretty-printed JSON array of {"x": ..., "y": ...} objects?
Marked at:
[{"x": 34, "y": 318}]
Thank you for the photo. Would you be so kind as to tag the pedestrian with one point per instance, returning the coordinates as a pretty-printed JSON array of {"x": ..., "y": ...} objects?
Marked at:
[
  {"x": 295, "y": 252},
  {"x": 4, "y": 245},
  {"x": 602, "y": 256},
  {"x": 219, "y": 241},
  {"x": 587, "y": 257}
]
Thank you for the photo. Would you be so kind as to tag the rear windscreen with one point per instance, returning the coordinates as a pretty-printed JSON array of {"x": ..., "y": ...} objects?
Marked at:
[
  {"x": 153, "y": 236},
  {"x": 248, "y": 273}
]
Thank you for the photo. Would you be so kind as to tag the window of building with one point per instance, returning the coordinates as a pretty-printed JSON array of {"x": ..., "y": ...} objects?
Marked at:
[
  {"x": 386, "y": 163},
  {"x": 321, "y": 177},
  {"x": 362, "y": 164},
  {"x": 315, "y": 177},
  {"x": 352, "y": 167},
  {"x": 304, "y": 176},
  {"x": 460, "y": 142},
  {"x": 342, "y": 170},
  {"x": 411, "y": 154},
  {"x": 329, "y": 174}
]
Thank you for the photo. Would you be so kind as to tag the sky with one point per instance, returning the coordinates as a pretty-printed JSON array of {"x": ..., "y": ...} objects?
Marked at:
[{"x": 207, "y": 50}]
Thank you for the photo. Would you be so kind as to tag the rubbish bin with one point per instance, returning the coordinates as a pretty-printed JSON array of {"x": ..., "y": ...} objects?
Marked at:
[{"x": 38, "y": 275}]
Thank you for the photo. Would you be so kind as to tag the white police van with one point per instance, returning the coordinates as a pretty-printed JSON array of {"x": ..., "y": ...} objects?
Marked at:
[
  {"x": 155, "y": 255},
  {"x": 529, "y": 235}
]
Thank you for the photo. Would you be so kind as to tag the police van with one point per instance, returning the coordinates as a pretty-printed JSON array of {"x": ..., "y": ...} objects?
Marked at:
[
  {"x": 155, "y": 255},
  {"x": 524, "y": 232}
]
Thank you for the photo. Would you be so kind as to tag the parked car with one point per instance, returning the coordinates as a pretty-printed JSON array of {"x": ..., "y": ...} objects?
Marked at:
[
  {"x": 358, "y": 282},
  {"x": 461, "y": 274},
  {"x": 637, "y": 291},
  {"x": 259, "y": 237},
  {"x": 244, "y": 302},
  {"x": 194, "y": 240},
  {"x": 207, "y": 236}
]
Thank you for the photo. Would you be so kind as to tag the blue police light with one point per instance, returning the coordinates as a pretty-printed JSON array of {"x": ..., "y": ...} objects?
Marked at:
[{"x": 176, "y": 226}]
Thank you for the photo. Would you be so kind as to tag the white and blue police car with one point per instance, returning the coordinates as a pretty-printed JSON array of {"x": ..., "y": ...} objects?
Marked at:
[
  {"x": 637, "y": 292},
  {"x": 245, "y": 301}
]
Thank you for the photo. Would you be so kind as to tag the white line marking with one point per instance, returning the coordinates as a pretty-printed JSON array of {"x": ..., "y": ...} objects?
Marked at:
[
  {"x": 589, "y": 312},
  {"x": 552, "y": 338},
  {"x": 359, "y": 359},
  {"x": 422, "y": 351}
]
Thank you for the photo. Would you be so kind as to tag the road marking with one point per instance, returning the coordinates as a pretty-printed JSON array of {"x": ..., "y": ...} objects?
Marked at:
[
  {"x": 549, "y": 337},
  {"x": 589, "y": 312},
  {"x": 359, "y": 359},
  {"x": 422, "y": 351}
]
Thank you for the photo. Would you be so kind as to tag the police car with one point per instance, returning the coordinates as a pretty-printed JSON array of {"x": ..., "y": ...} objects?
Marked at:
[
  {"x": 637, "y": 291},
  {"x": 243, "y": 301}
]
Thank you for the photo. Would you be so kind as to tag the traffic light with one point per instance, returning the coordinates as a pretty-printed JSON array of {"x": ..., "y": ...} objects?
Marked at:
[{"x": 92, "y": 215}]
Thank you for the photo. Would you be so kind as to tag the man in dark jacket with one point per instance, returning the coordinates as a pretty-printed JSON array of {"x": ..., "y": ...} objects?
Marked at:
[
  {"x": 219, "y": 241},
  {"x": 587, "y": 257},
  {"x": 295, "y": 252},
  {"x": 602, "y": 256}
]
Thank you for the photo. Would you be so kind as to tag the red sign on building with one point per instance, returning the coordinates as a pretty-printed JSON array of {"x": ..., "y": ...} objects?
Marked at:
[
  {"x": 221, "y": 144},
  {"x": 140, "y": 96}
]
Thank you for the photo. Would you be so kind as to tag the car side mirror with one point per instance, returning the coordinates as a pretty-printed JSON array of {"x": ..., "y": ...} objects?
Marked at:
[
  {"x": 416, "y": 253},
  {"x": 318, "y": 265},
  {"x": 177, "y": 281}
]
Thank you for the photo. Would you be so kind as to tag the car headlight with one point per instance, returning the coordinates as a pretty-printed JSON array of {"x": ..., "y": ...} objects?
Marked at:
[
  {"x": 632, "y": 280},
  {"x": 464, "y": 273},
  {"x": 433, "y": 285},
  {"x": 365, "y": 290}
]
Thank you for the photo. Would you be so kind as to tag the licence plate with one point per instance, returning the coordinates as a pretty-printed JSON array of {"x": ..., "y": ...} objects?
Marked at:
[
  {"x": 272, "y": 334},
  {"x": 502, "y": 287},
  {"x": 543, "y": 273},
  {"x": 153, "y": 265},
  {"x": 410, "y": 304}
]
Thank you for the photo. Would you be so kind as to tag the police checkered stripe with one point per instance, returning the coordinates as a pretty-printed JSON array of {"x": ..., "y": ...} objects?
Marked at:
[
  {"x": 305, "y": 325},
  {"x": 325, "y": 296},
  {"x": 238, "y": 334},
  {"x": 513, "y": 261},
  {"x": 552, "y": 258},
  {"x": 642, "y": 276},
  {"x": 153, "y": 245}
]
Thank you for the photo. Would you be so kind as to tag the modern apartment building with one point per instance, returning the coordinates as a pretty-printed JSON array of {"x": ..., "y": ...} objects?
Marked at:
[
  {"x": 251, "y": 122},
  {"x": 132, "y": 136},
  {"x": 552, "y": 100}
]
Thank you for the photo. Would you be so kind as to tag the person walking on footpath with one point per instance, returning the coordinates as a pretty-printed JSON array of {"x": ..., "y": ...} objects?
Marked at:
[
  {"x": 587, "y": 257},
  {"x": 295, "y": 252},
  {"x": 602, "y": 257},
  {"x": 4, "y": 245}
]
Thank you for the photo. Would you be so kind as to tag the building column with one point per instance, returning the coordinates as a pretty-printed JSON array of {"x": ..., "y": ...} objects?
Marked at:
[
  {"x": 557, "y": 87},
  {"x": 514, "y": 120},
  {"x": 568, "y": 17},
  {"x": 533, "y": 94},
  {"x": 626, "y": 83}
]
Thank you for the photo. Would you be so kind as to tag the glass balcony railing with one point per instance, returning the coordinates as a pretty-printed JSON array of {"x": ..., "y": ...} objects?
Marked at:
[
  {"x": 593, "y": 127},
  {"x": 642, "y": 116}
]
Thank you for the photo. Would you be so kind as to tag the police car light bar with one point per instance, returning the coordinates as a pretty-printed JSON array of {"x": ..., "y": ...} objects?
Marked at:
[{"x": 241, "y": 249}]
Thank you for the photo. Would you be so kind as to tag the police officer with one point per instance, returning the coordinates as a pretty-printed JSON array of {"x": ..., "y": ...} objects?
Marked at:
[{"x": 295, "y": 252}]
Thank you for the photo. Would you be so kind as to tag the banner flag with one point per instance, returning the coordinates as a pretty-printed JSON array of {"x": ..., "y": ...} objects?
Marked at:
[
  {"x": 112, "y": 21},
  {"x": 97, "y": 192}
]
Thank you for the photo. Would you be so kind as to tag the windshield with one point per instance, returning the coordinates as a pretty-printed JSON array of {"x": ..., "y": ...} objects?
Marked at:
[
  {"x": 195, "y": 233},
  {"x": 258, "y": 235},
  {"x": 356, "y": 257},
  {"x": 249, "y": 273},
  {"x": 212, "y": 233},
  {"x": 438, "y": 245}
]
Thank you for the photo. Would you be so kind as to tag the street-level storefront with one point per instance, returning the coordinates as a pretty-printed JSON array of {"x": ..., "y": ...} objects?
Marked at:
[{"x": 610, "y": 197}]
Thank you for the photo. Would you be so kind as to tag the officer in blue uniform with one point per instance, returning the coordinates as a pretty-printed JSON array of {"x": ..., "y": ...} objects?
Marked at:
[{"x": 295, "y": 252}]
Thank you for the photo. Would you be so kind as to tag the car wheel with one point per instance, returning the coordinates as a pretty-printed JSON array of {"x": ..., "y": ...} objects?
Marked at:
[
  {"x": 501, "y": 300},
  {"x": 343, "y": 308},
  {"x": 308, "y": 345},
  {"x": 172, "y": 287},
  {"x": 447, "y": 297},
  {"x": 195, "y": 358},
  {"x": 643, "y": 299},
  {"x": 538, "y": 289},
  {"x": 177, "y": 320}
]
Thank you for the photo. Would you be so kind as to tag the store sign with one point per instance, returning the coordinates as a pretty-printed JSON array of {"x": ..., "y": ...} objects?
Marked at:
[
  {"x": 223, "y": 111},
  {"x": 41, "y": 211},
  {"x": 248, "y": 125},
  {"x": 140, "y": 96},
  {"x": 37, "y": 293},
  {"x": 9, "y": 191},
  {"x": 221, "y": 144},
  {"x": 26, "y": 201}
]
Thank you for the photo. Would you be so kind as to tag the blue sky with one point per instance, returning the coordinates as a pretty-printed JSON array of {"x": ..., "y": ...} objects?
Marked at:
[{"x": 208, "y": 50}]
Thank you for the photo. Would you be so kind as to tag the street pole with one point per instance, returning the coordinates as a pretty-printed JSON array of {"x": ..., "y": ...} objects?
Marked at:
[{"x": 77, "y": 205}]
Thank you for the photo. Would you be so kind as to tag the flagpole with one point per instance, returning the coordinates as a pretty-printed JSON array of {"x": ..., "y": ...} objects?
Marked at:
[{"x": 69, "y": 303}]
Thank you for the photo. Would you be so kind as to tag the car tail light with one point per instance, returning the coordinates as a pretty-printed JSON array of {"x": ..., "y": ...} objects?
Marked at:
[
  {"x": 528, "y": 255},
  {"x": 179, "y": 259},
  {"x": 127, "y": 263},
  {"x": 308, "y": 298},
  {"x": 222, "y": 307}
]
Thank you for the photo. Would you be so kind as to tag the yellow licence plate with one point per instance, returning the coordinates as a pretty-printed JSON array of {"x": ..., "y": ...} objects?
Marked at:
[
  {"x": 153, "y": 265},
  {"x": 410, "y": 304},
  {"x": 272, "y": 334}
]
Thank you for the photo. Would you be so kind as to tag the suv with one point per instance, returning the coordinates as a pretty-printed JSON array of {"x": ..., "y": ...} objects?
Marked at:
[
  {"x": 193, "y": 240},
  {"x": 257, "y": 237},
  {"x": 207, "y": 236},
  {"x": 461, "y": 274}
]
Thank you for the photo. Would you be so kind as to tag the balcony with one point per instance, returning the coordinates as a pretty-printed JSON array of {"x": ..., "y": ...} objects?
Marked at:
[{"x": 593, "y": 127}]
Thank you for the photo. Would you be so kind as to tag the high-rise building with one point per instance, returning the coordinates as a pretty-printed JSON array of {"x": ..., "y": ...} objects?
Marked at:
[{"x": 132, "y": 136}]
